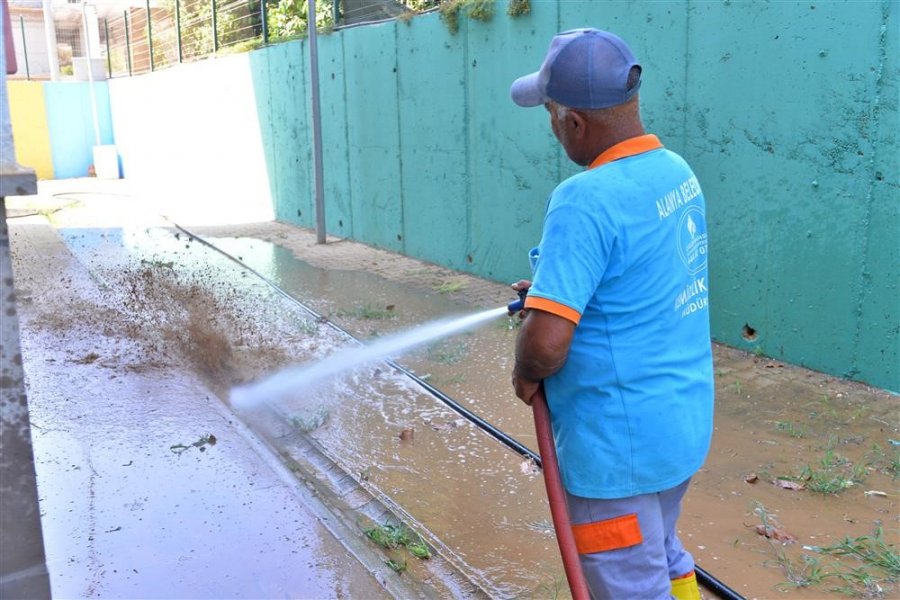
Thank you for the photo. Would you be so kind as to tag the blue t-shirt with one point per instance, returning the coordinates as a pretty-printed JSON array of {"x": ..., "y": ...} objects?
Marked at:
[{"x": 624, "y": 255}]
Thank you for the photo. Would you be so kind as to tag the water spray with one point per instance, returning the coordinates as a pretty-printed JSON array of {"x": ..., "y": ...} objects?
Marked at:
[
  {"x": 280, "y": 385},
  {"x": 391, "y": 345}
]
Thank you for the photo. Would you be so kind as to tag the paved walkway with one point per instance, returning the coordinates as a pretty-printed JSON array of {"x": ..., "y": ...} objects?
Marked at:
[{"x": 231, "y": 519}]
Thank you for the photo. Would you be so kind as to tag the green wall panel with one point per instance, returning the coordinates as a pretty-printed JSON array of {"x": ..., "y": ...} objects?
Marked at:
[
  {"x": 514, "y": 160},
  {"x": 433, "y": 142},
  {"x": 335, "y": 166},
  {"x": 878, "y": 334},
  {"x": 370, "y": 56},
  {"x": 283, "y": 109},
  {"x": 785, "y": 160}
]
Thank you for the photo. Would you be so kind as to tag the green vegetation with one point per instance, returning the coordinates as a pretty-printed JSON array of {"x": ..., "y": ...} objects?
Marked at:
[
  {"x": 886, "y": 461},
  {"x": 310, "y": 421},
  {"x": 793, "y": 430},
  {"x": 394, "y": 536},
  {"x": 369, "y": 312},
  {"x": 871, "y": 550},
  {"x": 805, "y": 572},
  {"x": 451, "y": 286},
  {"x": 398, "y": 566},
  {"x": 552, "y": 589},
  {"x": 288, "y": 19},
  {"x": 865, "y": 567},
  {"x": 518, "y": 8},
  {"x": 420, "y": 5},
  {"x": 832, "y": 475},
  {"x": 480, "y": 10},
  {"x": 447, "y": 353}
]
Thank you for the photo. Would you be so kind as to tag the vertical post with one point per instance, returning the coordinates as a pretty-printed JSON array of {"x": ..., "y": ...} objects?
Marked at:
[
  {"x": 316, "y": 119},
  {"x": 215, "y": 28},
  {"x": 265, "y": 21},
  {"x": 90, "y": 61},
  {"x": 127, "y": 43},
  {"x": 108, "y": 53},
  {"x": 50, "y": 36},
  {"x": 336, "y": 12},
  {"x": 24, "y": 48},
  {"x": 178, "y": 29},
  {"x": 150, "y": 34}
]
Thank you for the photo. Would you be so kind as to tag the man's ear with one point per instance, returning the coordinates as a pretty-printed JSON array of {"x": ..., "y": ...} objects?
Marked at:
[{"x": 577, "y": 122}]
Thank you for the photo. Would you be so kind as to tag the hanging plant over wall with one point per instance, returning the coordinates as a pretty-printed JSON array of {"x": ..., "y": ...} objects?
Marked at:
[
  {"x": 518, "y": 8},
  {"x": 480, "y": 10}
]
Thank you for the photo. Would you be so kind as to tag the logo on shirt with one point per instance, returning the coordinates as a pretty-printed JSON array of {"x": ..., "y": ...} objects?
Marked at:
[{"x": 692, "y": 239}]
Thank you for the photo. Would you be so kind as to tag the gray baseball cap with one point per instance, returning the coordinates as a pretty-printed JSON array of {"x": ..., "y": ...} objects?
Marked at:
[{"x": 584, "y": 68}]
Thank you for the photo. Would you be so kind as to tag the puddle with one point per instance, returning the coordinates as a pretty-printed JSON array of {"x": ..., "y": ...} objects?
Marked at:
[
  {"x": 486, "y": 507},
  {"x": 774, "y": 423}
]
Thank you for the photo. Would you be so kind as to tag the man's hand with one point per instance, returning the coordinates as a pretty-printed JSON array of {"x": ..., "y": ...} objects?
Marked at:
[
  {"x": 541, "y": 350},
  {"x": 522, "y": 284},
  {"x": 525, "y": 389}
]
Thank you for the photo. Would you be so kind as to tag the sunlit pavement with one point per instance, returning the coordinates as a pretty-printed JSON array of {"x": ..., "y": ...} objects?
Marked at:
[{"x": 148, "y": 485}]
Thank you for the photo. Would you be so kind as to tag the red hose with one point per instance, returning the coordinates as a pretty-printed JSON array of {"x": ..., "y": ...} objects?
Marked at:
[{"x": 557, "y": 498}]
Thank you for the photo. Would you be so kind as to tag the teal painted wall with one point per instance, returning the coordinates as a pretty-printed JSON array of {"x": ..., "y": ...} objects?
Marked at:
[
  {"x": 71, "y": 124},
  {"x": 787, "y": 111}
]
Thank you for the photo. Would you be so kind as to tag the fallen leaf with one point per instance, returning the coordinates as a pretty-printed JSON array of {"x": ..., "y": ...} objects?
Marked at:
[
  {"x": 751, "y": 478},
  {"x": 789, "y": 485},
  {"x": 406, "y": 435},
  {"x": 875, "y": 493},
  {"x": 776, "y": 533}
]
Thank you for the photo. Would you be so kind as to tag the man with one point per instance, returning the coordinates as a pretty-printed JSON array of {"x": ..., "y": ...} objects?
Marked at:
[{"x": 617, "y": 323}]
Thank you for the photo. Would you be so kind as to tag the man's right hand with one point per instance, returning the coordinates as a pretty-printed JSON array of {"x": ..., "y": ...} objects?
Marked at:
[{"x": 522, "y": 284}]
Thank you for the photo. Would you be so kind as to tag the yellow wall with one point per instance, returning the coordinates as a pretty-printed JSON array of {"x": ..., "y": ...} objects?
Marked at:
[{"x": 28, "y": 116}]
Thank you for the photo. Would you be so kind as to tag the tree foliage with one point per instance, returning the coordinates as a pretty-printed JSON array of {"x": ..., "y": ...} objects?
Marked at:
[{"x": 289, "y": 18}]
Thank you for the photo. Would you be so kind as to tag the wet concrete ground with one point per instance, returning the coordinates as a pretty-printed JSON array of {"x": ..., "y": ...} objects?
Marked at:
[{"x": 134, "y": 333}]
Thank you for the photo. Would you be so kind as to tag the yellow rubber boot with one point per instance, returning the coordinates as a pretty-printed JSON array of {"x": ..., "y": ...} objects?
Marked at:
[{"x": 685, "y": 588}]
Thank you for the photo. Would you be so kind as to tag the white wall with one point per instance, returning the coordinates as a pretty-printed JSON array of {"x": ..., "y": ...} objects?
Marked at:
[{"x": 190, "y": 138}]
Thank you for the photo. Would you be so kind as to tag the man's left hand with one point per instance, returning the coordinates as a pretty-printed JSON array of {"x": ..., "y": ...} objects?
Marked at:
[{"x": 525, "y": 388}]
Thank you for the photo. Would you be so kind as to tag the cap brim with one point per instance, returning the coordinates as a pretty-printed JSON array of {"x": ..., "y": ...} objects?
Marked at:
[{"x": 525, "y": 91}]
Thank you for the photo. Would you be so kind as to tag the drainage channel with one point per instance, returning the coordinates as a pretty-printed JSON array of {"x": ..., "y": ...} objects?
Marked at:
[{"x": 705, "y": 578}]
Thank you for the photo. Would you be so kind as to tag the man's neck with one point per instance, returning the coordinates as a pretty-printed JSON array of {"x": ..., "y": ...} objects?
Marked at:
[{"x": 609, "y": 138}]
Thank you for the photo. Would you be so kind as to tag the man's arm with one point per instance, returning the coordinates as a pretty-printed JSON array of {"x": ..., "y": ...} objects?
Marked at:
[{"x": 541, "y": 350}]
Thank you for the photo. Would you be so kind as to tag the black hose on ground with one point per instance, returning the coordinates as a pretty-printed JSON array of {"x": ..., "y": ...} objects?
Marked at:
[{"x": 703, "y": 577}]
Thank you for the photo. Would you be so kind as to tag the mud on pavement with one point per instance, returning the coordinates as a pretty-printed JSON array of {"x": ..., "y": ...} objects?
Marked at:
[{"x": 798, "y": 497}]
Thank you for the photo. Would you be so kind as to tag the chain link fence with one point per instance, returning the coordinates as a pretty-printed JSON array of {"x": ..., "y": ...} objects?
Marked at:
[{"x": 141, "y": 39}]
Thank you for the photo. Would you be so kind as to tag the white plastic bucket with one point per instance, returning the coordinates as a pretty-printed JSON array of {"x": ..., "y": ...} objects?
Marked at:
[{"x": 106, "y": 162}]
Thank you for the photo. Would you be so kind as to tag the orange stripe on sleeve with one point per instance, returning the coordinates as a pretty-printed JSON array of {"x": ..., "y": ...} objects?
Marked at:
[
  {"x": 611, "y": 534},
  {"x": 560, "y": 310}
]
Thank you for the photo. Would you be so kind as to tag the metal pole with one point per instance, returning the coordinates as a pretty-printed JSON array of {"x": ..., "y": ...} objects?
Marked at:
[
  {"x": 90, "y": 60},
  {"x": 150, "y": 34},
  {"x": 127, "y": 43},
  {"x": 178, "y": 29},
  {"x": 50, "y": 36},
  {"x": 108, "y": 54},
  {"x": 316, "y": 120},
  {"x": 336, "y": 12},
  {"x": 215, "y": 28},
  {"x": 24, "y": 48},
  {"x": 265, "y": 21}
]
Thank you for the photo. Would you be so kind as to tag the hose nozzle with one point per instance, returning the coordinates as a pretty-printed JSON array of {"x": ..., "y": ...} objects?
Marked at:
[{"x": 517, "y": 305}]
